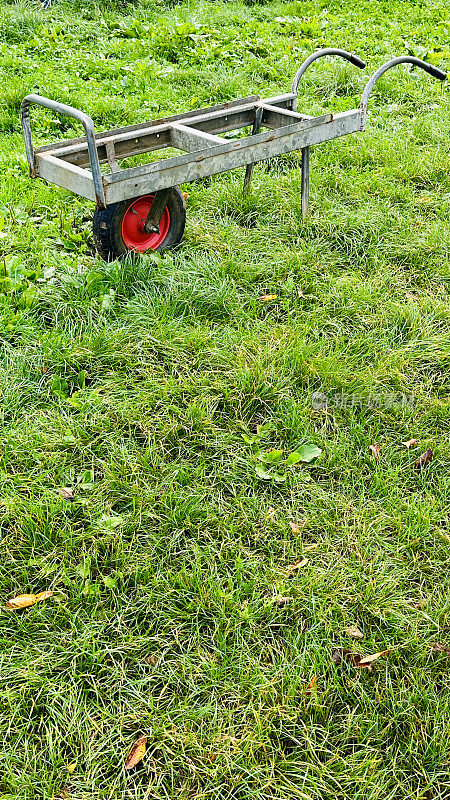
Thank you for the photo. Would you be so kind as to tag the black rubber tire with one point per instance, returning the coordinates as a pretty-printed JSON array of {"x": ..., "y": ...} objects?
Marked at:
[{"x": 107, "y": 227}]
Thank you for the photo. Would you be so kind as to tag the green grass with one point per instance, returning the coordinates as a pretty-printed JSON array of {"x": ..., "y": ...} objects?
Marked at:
[{"x": 135, "y": 384}]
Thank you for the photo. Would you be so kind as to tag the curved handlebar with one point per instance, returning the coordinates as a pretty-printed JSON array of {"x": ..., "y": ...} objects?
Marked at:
[
  {"x": 435, "y": 72},
  {"x": 86, "y": 121},
  {"x": 327, "y": 51}
]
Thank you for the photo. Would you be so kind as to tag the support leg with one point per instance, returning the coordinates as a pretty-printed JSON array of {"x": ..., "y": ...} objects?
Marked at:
[
  {"x": 156, "y": 211},
  {"x": 249, "y": 169},
  {"x": 305, "y": 182}
]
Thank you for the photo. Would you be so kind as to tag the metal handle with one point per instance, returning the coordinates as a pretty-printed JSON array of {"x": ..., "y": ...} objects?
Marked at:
[
  {"x": 327, "y": 51},
  {"x": 86, "y": 121},
  {"x": 435, "y": 72}
]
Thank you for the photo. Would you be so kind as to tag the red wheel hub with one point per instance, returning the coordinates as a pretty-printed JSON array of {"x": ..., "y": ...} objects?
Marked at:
[{"x": 133, "y": 233}]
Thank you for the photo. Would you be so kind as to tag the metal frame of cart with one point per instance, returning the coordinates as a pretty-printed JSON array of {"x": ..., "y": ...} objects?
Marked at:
[{"x": 75, "y": 164}]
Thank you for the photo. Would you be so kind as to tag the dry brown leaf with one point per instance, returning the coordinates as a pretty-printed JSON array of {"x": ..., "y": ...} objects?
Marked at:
[
  {"x": 424, "y": 459},
  {"x": 312, "y": 685},
  {"x": 64, "y": 794},
  {"x": 351, "y": 658},
  {"x": 296, "y": 527},
  {"x": 298, "y": 565},
  {"x": 185, "y": 195},
  {"x": 409, "y": 443},
  {"x": 361, "y": 662},
  {"x": 152, "y": 660},
  {"x": 352, "y": 630},
  {"x": 271, "y": 513},
  {"x": 25, "y": 600},
  {"x": 438, "y": 647},
  {"x": 411, "y": 296},
  {"x": 366, "y": 661},
  {"x": 281, "y": 600},
  {"x": 375, "y": 450},
  {"x": 136, "y": 753},
  {"x": 420, "y": 603},
  {"x": 299, "y": 292},
  {"x": 266, "y": 298},
  {"x": 66, "y": 492}
]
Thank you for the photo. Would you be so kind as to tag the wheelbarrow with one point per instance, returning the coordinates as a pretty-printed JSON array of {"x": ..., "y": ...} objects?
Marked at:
[{"x": 141, "y": 208}]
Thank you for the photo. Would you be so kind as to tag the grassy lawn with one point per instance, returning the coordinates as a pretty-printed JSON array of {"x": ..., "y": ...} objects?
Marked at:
[{"x": 156, "y": 389}]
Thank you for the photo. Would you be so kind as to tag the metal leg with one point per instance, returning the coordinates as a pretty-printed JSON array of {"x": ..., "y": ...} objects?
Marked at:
[
  {"x": 249, "y": 168},
  {"x": 305, "y": 182},
  {"x": 151, "y": 224}
]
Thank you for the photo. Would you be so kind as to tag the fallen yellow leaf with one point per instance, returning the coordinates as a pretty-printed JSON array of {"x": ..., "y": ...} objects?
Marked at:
[
  {"x": 266, "y": 298},
  {"x": 297, "y": 565},
  {"x": 312, "y": 685},
  {"x": 43, "y": 595},
  {"x": 366, "y": 661},
  {"x": 136, "y": 753},
  {"x": 352, "y": 630},
  {"x": 71, "y": 768},
  {"x": 25, "y": 600}
]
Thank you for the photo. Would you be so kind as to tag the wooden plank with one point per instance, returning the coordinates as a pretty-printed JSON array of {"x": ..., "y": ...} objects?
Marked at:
[
  {"x": 68, "y": 176},
  {"x": 229, "y": 155}
]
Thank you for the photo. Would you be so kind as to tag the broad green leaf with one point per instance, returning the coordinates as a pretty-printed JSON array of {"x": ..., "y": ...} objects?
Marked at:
[
  {"x": 293, "y": 458},
  {"x": 59, "y": 386},
  {"x": 83, "y": 570},
  {"x": 261, "y": 473},
  {"x": 264, "y": 430},
  {"x": 81, "y": 378},
  {"x": 306, "y": 452},
  {"x": 271, "y": 457}
]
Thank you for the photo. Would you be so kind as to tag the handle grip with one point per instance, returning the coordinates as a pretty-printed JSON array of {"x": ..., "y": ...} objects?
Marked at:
[
  {"x": 356, "y": 61},
  {"x": 69, "y": 111},
  {"x": 435, "y": 72}
]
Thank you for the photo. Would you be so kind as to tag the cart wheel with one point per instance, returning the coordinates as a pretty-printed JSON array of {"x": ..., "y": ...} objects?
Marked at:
[{"x": 119, "y": 228}]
